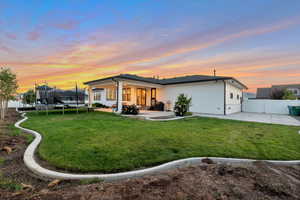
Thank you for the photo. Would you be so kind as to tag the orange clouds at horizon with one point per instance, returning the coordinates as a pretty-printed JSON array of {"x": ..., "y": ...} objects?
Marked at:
[{"x": 185, "y": 55}]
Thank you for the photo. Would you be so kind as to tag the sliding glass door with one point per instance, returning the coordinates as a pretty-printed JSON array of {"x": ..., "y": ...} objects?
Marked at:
[{"x": 141, "y": 96}]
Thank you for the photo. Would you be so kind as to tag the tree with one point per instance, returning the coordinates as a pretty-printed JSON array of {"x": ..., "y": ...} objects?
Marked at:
[
  {"x": 8, "y": 89},
  {"x": 29, "y": 97},
  {"x": 289, "y": 95},
  {"x": 182, "y": 105},
  {"x": 277, "y": 93}
]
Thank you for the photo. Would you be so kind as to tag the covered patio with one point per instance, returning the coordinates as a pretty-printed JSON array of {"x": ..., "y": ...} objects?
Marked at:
[
  {"x": 145, "y": 113},
  {"x": 117, "y": 92}
]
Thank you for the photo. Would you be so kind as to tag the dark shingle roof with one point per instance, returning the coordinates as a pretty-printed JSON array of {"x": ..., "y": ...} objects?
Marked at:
[
  {"x": 169, "y": 81},
  {"x": 193, "y": 78}
]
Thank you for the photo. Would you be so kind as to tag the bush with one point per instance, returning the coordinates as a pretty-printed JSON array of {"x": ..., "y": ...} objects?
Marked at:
[
  {"x": 182, "y": 105},
  {"x": 289, "y": 95},
  {"x": 99, "y": 105},
  {"x": 159, "y": 106},
  {"x": 130, "y": 110}
]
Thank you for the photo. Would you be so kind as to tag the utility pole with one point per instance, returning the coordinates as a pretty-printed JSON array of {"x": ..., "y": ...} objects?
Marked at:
[
  {"x": 77, "y": 97},
  {"x": 215, "y": 72}
]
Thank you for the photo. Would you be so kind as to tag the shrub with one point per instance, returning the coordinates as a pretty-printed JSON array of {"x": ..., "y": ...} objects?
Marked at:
[
  {"x": 130, "y": 110},
  {"x": 182, "y": 105},
  {"x": 159, "y": 106},
  {"x": 289, "y": 95},
  {"x": 99, "y": 105}
]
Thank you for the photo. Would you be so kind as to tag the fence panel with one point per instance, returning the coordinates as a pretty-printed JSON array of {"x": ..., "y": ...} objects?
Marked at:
[{"x": 269, "y": 106}]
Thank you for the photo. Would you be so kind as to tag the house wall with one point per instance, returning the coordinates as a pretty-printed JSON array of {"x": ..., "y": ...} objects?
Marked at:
[
  {"x": 233, "y": 105},
  {"x": 132, "y": 99},
  {"x": 207, "y": 97},
  {"x": 269, "y": 106},
  {"x": 103, "y": 99}
]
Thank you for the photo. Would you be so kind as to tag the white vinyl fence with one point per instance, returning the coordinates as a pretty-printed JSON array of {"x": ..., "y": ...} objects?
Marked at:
[
  {"x": 269, "y": 106},
  {"x": 17, "y": 104}
]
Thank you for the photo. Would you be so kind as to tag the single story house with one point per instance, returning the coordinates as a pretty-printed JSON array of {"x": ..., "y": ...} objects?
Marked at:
[
  {"x": 266, "y": 93},
  {"x": 210, "y": 94}
]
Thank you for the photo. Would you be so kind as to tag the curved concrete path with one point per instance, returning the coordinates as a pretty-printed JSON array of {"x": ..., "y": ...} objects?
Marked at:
[{"x": 31, "y": 163}]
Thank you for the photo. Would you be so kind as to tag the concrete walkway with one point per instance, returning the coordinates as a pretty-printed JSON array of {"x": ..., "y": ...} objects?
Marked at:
[{"x": 258, "y": 117}]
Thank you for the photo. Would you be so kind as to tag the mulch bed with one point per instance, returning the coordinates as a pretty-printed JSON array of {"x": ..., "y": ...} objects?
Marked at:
[{"x": 207, "y": 181}]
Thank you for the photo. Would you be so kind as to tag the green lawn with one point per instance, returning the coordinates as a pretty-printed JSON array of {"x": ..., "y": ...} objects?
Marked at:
[{"x": 106, "y": 142}]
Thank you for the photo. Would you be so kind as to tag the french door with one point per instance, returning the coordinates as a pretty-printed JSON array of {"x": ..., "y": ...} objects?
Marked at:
[{"x": 141, "y": 96}]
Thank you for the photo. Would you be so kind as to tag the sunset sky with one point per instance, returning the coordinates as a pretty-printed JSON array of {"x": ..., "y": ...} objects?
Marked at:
[{"x": 61, "y": 42}]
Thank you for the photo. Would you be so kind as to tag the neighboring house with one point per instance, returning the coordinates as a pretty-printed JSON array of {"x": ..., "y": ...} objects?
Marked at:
[
  {"x": 249, "y": 95},
  {"x": 263, "y": 93},
  {"x": 48, "y": 95},
  {"x": 210, "y": 94},
  {"x": 266, "y": 93}
]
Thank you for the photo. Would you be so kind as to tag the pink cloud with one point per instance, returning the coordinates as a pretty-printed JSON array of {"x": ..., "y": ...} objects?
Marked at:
[
  {"x": 11, "y": 36},
  {"x": 5, "y": 48},
  {"x": 33, "y": 35}
]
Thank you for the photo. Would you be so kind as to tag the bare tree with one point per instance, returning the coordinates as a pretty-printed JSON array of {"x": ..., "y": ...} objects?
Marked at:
[
  {"x": 8, "y": 89},
  {"x": 277, "y": 93}
]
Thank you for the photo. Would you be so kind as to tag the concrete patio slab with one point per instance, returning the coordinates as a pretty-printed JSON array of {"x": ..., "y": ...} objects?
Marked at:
[{"x": 258, "y": 117}]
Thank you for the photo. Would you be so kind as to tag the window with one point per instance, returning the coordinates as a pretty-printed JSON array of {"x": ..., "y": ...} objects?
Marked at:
[
  {"x": 111, "y": 94},
  {"x": 126, "y": 94},
  {"x": 97, "y": 96},
  {"x": 153, "y": 96},
  {"x": 231, "y": 95},
  {"x": 153, "y": 93},
  {"x": 237, "y": 97}
]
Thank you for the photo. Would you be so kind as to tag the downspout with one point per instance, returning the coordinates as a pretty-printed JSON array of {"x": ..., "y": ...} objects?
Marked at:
[
  {"x": 242, "y": 101},
  {"x": 224, "y": 97}
]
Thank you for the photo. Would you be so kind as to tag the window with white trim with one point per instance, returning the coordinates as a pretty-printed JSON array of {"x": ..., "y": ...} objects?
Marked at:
[
  {"x": 126, "y": 94},
  {"x": 110, "y": 94},
  {"x": 97, "y": 96}
]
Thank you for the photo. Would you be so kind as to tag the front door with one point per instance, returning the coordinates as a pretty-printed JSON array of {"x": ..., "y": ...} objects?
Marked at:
[
  {"x": 141, "y": 96},
  {"x": 153, "y": 96}
]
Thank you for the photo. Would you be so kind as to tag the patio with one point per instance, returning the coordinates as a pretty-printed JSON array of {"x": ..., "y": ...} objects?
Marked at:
[
  {"x": 144, "y": 113},
  {"x": 258, "y": 117}
]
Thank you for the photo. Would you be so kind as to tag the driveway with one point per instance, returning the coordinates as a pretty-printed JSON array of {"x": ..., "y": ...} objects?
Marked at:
[{"x": 258, "y": 117}]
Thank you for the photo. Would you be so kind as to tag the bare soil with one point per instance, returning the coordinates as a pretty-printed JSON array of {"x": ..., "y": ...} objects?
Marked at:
[{"x": 207, "y": 181}]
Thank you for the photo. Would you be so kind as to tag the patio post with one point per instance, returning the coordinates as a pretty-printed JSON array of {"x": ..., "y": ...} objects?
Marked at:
[
  {"x": 119, "y": 96},
  {"x": 90, "y": 96}
]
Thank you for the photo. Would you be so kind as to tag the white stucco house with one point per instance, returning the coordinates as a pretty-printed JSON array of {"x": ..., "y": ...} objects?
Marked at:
[{"x": 210, "y": 94}]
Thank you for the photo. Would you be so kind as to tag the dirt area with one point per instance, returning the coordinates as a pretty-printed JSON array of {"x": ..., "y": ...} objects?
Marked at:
[{"x": 207, "y": 181}]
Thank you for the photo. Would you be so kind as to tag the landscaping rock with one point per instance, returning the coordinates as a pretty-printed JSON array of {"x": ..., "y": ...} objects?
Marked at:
[
  {"x": 26, "y": 187},
  {"x": 7, "y": 149},
  {"x": 207, "y": 161},
  {"x": 54, "y": 183}
]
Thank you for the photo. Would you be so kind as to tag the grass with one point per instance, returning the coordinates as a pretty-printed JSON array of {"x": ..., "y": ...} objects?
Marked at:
[{"x": 109, "y": 143}]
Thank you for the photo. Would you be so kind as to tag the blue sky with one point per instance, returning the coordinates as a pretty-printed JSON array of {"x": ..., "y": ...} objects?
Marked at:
[{"x": 62, "y": 42}]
